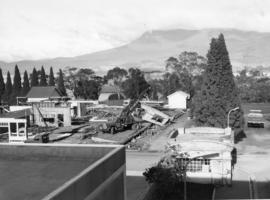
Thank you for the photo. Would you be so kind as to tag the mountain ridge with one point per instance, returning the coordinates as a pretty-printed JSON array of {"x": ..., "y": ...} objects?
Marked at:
[{"x": 152, "y": 48}]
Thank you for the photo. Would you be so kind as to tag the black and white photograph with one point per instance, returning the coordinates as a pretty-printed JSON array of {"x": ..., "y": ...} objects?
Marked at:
[{"x": 134, "y": 99}]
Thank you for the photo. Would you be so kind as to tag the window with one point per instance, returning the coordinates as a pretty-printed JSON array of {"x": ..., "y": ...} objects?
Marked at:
[
  {"x": 157, "y": 118},
  {"x": 50, "y": 120},
  {"x": 21, "y": 129},
  {"x": 195, "y": 165},
  {"x": 3, "y": 124},
  {"x": 13, "y": 129}
]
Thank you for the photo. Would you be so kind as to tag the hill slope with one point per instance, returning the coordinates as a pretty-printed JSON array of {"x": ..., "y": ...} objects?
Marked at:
[{"x": 151, "y": 50}]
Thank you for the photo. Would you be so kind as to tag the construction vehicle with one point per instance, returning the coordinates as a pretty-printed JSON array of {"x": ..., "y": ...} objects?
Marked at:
[
  {"x": 255, "y": 119},
  {"x": 125, "y": 120}
]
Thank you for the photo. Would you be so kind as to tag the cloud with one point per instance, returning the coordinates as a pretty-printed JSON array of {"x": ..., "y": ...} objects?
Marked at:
[{"x": 36, "y": 29}]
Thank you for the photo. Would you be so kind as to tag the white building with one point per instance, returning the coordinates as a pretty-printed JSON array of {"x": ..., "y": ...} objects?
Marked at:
[
  {"x": 14, "y": 124},
  {"x": 178, "y": 99},
  {"x": 207, "y": 154}
]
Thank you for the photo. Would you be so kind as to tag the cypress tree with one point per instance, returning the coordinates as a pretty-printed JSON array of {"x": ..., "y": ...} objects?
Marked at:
[
  {"x": 17, "y": 83},
  {"x": 2, "y": 86},
  {"x": 26, "y": 85},
  {"x": 229, "y": 90},
  {"x": 51, "y": 78},
  {"x": 218, "y": 93},
  {"x": 61, "y": 86},
  {"x": 34, "y": 78},
  {"x": 43, "y": 81}
]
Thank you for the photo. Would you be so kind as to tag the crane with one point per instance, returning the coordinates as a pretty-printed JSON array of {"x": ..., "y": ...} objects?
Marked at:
[{"x": 125, "y": 119}]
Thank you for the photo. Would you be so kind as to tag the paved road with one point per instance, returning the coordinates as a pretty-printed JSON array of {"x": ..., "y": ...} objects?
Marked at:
[
  {"x": 160, "y": 140},
  {"x": 240, "y": 188},
  {"x": 139, "y": 161},
  {"x": 253, "y": 162}
]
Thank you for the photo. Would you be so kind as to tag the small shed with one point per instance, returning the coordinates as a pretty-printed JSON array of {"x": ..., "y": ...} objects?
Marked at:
[
  {"x": 178, "y": 100},
  {"x": 15, "y": 124}
]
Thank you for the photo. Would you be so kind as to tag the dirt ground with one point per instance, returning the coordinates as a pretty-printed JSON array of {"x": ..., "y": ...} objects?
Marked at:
[{"x": 158, "y": 141}]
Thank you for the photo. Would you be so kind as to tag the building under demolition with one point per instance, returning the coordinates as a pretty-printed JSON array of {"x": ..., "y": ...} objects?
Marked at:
[
  {"x": 53, "y": 113},
  {"x": 49, "y": 107}
]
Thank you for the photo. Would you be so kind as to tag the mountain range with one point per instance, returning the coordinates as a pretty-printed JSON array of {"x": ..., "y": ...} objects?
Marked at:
[{"x": 152, "y": 48}]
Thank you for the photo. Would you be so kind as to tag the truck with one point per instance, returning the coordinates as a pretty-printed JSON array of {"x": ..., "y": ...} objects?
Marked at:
[{"x": 255, "y": 119}]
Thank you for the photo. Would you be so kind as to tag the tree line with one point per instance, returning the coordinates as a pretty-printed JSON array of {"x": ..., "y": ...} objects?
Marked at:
[
  {"x": 10, "y": 90},
  {"x": 86, "y": 85},
  {"x": 209, "y": 81},
  {"x": 253, "y": 87}
]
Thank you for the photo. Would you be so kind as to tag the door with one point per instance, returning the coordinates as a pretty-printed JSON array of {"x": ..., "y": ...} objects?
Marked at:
[{"x": 60, "y": 119}]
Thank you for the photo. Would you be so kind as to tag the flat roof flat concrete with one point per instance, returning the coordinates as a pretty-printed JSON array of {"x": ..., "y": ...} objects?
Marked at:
[{"x": 31, "y": 171}]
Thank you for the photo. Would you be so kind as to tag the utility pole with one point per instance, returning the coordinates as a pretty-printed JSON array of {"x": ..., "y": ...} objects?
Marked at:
[{"x": 228, "y": 116}]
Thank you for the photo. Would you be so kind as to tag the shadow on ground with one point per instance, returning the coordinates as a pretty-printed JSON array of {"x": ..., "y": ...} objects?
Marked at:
[
  {"x": 194, "y": 192},
  {"x": 139, "y": 189},
  {"x": 239, "y": 136}
]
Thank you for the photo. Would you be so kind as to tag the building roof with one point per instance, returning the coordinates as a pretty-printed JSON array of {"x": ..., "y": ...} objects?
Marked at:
[
  {"x": 110, "y": 89},
  {"x": 44, "y": 92},
  {"x": 109, "y": 96},
  {"x": 16, "y": 114},
  {"x": 179, "y": 92}
]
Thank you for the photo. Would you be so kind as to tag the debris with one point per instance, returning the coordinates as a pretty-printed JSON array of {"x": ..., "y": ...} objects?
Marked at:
[{"x": 154, "y": 116}]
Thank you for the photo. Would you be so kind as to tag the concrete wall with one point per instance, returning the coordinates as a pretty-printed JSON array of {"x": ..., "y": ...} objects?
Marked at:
[
  {"x": 53, "y": 111},
  {"x": 104, "y": 179},
  {"x": 16, "y": 108}
]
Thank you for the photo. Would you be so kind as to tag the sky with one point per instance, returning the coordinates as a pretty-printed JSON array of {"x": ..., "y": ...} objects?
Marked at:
[{"x": 39, "y": 29}]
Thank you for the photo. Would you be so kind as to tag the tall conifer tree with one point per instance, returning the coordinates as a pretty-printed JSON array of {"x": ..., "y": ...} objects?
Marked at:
[
  {"x": 219, "y": 93},
  {"x": 51, "y": 78},
  {"x": 17, "y": 82},
  {"x": 43, "y": 81},
  {"x": 60, "y": 84},
  {"x": 26, "y": 85},
  {"x": 34, "y": 78}
]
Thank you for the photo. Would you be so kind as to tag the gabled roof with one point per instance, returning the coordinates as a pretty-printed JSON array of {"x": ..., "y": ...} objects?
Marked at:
[
  {"x": 179, "y": 92},
  {"x": 44, "y": 92},
  {"x": 110, "y": 89}
]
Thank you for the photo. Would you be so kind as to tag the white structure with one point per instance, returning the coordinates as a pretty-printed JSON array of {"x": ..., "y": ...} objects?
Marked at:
[
  {"x": 178, "y": 100},
  {"x": 16, "y": 129},
  {"x": 17, "y": 108},
  {"x": 206, "y": 153},
  {"x": 154, "y": 116},
  {"x": 78, "y": 107}
]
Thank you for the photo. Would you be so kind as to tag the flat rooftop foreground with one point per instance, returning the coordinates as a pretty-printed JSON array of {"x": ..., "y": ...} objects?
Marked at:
[{"x": 61, "y": 172}]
